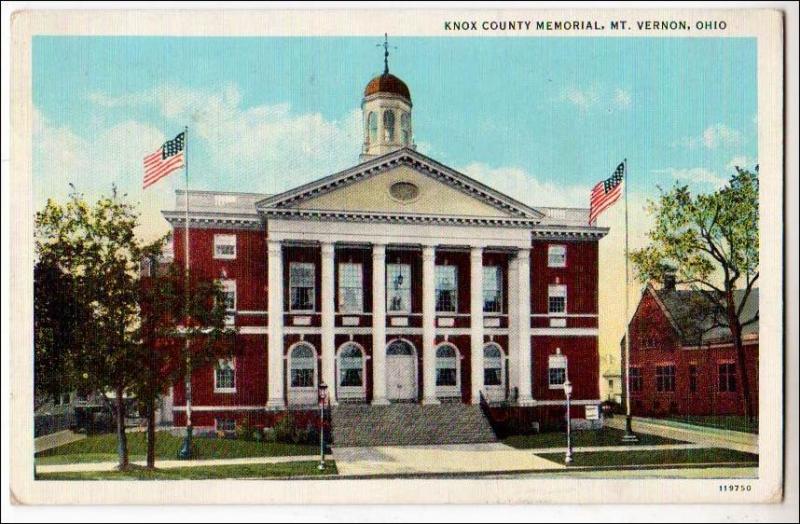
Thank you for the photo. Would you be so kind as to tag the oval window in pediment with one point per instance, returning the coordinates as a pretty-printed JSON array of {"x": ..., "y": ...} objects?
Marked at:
[{"x": 404, "y": 191}]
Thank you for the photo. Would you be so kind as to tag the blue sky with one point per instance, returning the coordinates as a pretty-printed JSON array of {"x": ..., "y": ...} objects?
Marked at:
[{"x": 542, "y": 119}]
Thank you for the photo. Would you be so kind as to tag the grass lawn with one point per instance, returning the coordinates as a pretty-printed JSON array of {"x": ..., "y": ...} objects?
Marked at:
[
  {"x": 731, "y": 422},
  {"x": 239, "y": 471},
  {"x": 600, "y": 437},
  {"x": 667, "y": 456},
  {"x": 103, "y": 448}
]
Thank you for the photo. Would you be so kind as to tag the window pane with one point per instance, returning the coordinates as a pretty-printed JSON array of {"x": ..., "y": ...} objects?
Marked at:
[
  {"x": 557, "y": 376},
  {"x": 446, "y": 288},
  {"x": 446, "y": 377},
  {"x": 492, "y": 289},
  {"x": 373, "y": 127},
  {"x": 557, "y": 256},
  {"x": 398, "y": 287},
  {"x": 492, "y": 376},
  {"x": 388, "y": 125},
  {"x": 350, "y": 288}
]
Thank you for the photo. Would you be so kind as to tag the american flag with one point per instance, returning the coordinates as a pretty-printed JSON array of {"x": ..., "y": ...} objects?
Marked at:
[
  {"x": 164, "y": 160},
  {"x": 606, "y": 193}
]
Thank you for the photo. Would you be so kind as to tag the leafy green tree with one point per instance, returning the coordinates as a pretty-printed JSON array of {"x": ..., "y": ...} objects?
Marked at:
[
  {"x": 172, "y": 348},
  {"x": 711, "y": 242},
  {"x": 93, "y": 249}
]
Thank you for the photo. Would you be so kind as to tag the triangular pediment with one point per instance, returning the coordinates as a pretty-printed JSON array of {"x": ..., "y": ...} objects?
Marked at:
[{"x": 402, "y": 182}]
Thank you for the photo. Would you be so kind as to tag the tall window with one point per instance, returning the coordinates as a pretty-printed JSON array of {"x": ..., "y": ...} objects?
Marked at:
[
  {"x": 225, "y": 246},
  {"x": 665, "y": 378},
  {"x": 492, "y": 365},
  {"x": 636, "y": 379},
  {"x": 351, "y": 366},
  {"x": 372, "y": 125},
  {"x": 446, "y": 366},
  {"x": 446, "y": 288},
  {"x": 388, "y": 125},
  {"x": 556, "y": 370},
  {"x": 351, "y": 292},
  {"x": 225, "y": 376},
  {"x": 727, "y": 377},
  {"x": 303, "y": 360},
  {"x": 492, "y": 289},
  {"x": 556, "y": 256},
  {"x": 693, "y": 378},
  {"x": 229, "y": 294},
  {"x": 557, "y": 299},
  {"x": 398, "y": 288},
  {"x": 405, "y": 127},
  {"x": 301, "y": 286}
]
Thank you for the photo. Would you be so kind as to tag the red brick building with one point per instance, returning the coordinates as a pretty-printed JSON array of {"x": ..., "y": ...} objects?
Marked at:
[
  {"x": 399, "y": 280},
  {"x": 683, "y": 361}
]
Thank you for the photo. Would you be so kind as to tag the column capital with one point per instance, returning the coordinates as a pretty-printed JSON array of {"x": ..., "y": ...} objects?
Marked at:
[
  {"x": 378, "y": 250},
  {"x": 476, "y": 251},
  {"x": 524, "y": 253},
  {"x": 327, "y": 247},
  {"x": 428, "y": 253},
  {"x": 274, "y": 247}
]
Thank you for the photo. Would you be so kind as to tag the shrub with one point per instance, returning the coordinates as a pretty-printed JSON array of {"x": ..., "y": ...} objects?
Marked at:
[
  {"x": 268, "y": 435},
  {"x": 285, "y": 429}
]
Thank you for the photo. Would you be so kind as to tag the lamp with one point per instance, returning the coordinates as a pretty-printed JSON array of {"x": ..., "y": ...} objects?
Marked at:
[
  {"x": 568, "y": 394},
  {"x": 323, "y": 395}
]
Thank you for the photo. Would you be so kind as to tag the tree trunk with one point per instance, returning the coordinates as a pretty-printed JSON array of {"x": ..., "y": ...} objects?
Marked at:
[
  {"x": 122, "y": 440},
  {"x": 151, "y": 432},
  {"x": 741, "y": 358}
]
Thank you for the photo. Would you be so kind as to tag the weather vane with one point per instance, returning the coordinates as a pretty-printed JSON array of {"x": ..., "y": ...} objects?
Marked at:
[{"x": 385, "y": 45}]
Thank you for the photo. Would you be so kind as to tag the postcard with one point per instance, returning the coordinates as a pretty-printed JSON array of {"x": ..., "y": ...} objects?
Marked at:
[{"x": 397, "y": 256}]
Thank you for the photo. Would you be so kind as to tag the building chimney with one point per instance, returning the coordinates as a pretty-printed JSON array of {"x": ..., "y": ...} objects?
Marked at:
[{"x": 669, "y": 279}]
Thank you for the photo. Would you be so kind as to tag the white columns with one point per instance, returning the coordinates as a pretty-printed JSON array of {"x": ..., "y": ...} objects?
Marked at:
[
  {"x": 275, "y": 380},
  {"x": 428, "y": 326},
  {"x": 379, "y": 325},
  {"x": 524, "y": 320},
  {"x": 328, "y": 347},
  {"x": 476, "y": 321},
  {"x": 513, "y": 324}
]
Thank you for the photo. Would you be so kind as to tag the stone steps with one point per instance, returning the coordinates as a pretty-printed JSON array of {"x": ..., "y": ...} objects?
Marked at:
[{"x": 409, "y": 424}]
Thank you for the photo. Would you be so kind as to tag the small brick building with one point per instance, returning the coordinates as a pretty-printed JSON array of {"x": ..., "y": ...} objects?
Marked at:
[{"x": 683, "y": 362}]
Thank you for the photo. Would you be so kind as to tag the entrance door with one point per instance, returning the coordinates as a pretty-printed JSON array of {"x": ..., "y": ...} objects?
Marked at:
[
  {"x": 401, "y": 371},
  {"x": 400, "y": 377}
]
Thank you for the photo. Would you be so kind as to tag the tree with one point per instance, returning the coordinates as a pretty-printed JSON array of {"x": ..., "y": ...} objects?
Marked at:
[
  {"x": 710, "y": 241},
  {"x": 165, "y": 334},
  {"x": 93, "y": 249}
]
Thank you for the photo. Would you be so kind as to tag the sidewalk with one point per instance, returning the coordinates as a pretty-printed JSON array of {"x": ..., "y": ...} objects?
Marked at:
[
  {"x": 168, "y": 464},
  {"x": 705, "y": 436}
]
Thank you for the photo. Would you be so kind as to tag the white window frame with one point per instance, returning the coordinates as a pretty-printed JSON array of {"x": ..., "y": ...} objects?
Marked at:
[
  {"x": 350, "y": 392},
  {"x": 224, "y": 241},
  {"x": 454, "y": 288},
  {"x": 498, "y": 272},
  {"x": 448, "y": 390},
  {"x": 231, "y": 363},
  {"x": 557, "y": 250},
  {"x": 372, "y": 118},
  {"x": 557, "y": 361},
  {"x": 359, "y": 308},
  {"x": 229, "y": 286},
  {"x": 293, "y": 286},
  {"x": 556, "y": 291},
  {"x": 502, "y": 359},
  {"x": 302, "y": 395},
  {"x": 405, "y": 290}
]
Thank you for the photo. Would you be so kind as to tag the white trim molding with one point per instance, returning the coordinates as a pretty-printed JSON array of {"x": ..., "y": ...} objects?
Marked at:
[{"x": 565, "y": 332}]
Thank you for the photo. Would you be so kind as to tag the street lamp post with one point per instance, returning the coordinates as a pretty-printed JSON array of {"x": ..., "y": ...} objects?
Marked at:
[
  {"x": 568, "y": 394},
  {"x": 323, "y": 394}
]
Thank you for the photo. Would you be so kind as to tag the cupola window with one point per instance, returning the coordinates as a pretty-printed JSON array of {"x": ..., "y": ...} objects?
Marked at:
[{"x": 388, "y": 125}]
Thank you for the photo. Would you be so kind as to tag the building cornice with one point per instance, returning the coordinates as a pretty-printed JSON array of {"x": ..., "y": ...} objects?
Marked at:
[
  {"x": 214, "y": 220},
  {"x": 539, "y": 232},
  {"x": 395, "y": 218},
  {"x": 402, "y": 157}
]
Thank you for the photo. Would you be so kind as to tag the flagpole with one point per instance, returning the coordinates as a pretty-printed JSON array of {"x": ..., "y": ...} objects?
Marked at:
[
  {"x": 629, "y": 435},
  {"x": 186, "y": 450}
]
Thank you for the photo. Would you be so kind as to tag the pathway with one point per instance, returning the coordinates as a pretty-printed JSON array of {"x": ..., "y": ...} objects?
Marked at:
[
  {"x": 53, "y": 440},
  {"x": 168, "y": 464},
  {"x": 705, "y": 436}
]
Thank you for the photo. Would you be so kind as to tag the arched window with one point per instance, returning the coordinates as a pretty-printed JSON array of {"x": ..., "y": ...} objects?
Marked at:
[
  {"x": 303, "y": 365},
  {"x": 372, "y": 126},
  {"x": 446, "y": 365},
  {"x": 399, "y": 347},
  {"x": 492, "y": 365},
  {"x": 388, "y": 125},
  {"x": 405, "y": 128},
  {"x": 351, "y": 366}
]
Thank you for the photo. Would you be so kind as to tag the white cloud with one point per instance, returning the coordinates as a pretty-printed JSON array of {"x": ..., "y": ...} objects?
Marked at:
[
  {"x": 742, "y": 161},
  {"x": 700, "y": 175},
  {"x": 589, "y": 98},
  {"x": 528, "y": 189},
  {"x": 713, "y": 137}
]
